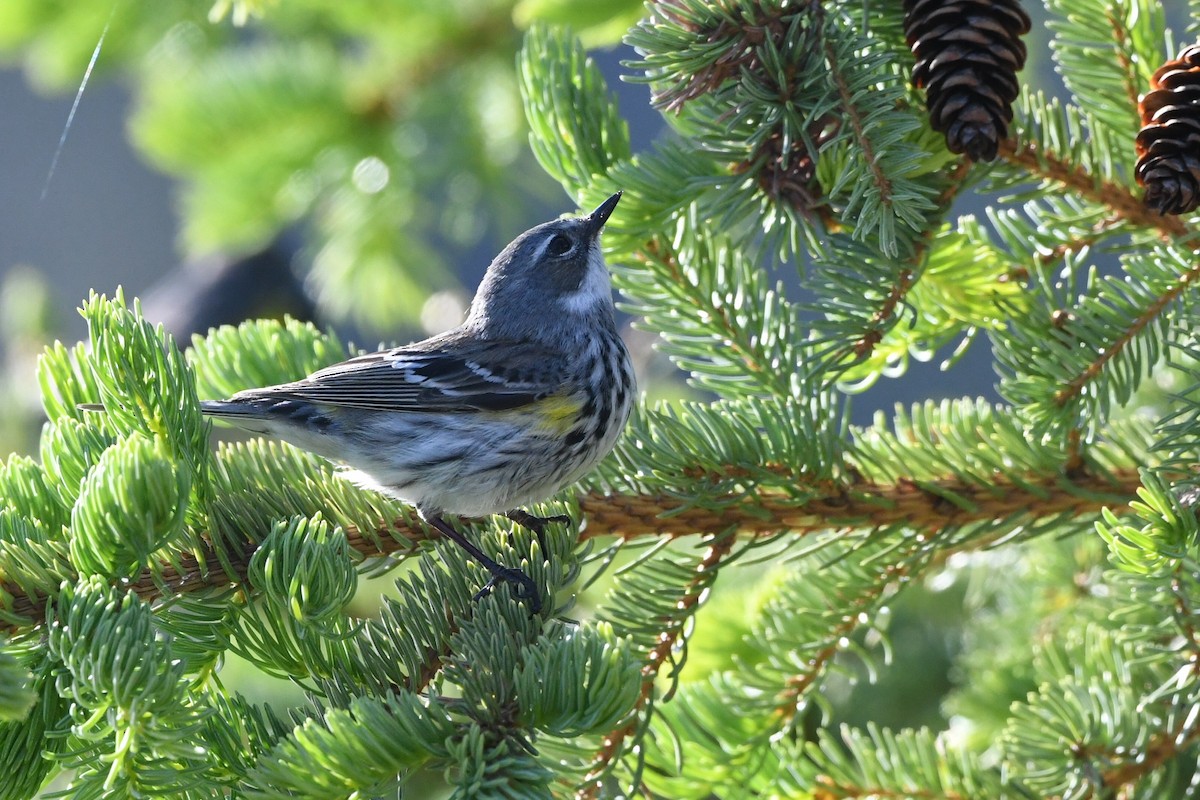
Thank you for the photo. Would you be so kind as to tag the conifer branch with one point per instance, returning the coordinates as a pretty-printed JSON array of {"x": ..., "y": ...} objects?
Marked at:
[
  {"x": 787, "y": 701},
  {"x": 1161, "y": 748},
  {"x": 829, "y": 790},
  {"x": 1072, "y": 389},
  {"x": 1037, "y": 162},
  {"x": 656, "y": 658},
  {"x": 928, "y": 506},
  {"x": 735, "y": 335},
  {"x": 1134, "y": 764},
  {"x": 1185, "y": 616},
  {"x": 738, "y": 37},
  {"x": 904, "y": 282},
  {"x": 907, "y": 278},
  {"x": 1167, "y": 744},
  {"x": 1098, "y": 232},
  {"x": 1074, "y": 452},
  {"x": 1122, "y": 38},
  {"x": 853, "y": 115},
  {"x": 785, "y": 116}
]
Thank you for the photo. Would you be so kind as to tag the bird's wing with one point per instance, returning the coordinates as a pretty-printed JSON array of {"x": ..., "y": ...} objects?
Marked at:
[{"x": 438, "y": 375}]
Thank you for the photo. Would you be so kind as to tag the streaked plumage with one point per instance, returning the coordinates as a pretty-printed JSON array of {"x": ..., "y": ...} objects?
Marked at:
[{"x": 519, "y": 401}]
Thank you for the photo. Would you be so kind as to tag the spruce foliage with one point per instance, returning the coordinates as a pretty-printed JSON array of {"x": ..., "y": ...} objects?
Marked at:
[{"x": 752, "y": 563}]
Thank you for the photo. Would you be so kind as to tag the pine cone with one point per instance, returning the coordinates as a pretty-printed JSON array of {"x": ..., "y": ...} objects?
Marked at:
[
  {"x": 968, "y": 53},
  {"x": 1168, "y": 145}
]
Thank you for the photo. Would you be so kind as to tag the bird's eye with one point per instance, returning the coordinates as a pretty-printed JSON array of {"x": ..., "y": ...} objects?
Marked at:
[{"x": 560, "y": 245}]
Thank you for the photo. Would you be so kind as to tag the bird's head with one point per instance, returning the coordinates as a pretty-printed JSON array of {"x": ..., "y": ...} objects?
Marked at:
[{"x": 553, "y": 269}]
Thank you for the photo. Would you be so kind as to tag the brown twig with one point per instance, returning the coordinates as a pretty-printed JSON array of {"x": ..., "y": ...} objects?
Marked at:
[
  {"x": 1160, "y": 749},
  {"x": 1049, "y": 166},
  {"x": 1072, "y": 388},
  {"x": 1098, "y": 231},
  {"x": 737, "y": 32},
  {"x": 829, "y": 789},
  {"x": 787, "y": 700},
  {"x": 907, "y": 278},
  {"x": 900, "y": 288},
  {"x": 1122, "y": 46},
  {"x": 851, "y": 112}
]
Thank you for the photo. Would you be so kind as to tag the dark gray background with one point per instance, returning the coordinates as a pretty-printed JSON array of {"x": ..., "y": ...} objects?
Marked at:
[{"x": 106, "y": 217}]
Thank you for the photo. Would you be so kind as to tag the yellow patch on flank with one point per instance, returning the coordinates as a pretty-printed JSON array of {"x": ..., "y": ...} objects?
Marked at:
[
  {"x": 557, "y": 413},
  {"x": 554, "y": 415}
]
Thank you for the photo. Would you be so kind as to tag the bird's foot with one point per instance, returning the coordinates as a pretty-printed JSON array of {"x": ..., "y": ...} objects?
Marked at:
[
  {"x": 523, "y": 586},
  {"x": 537, "y": 524}
]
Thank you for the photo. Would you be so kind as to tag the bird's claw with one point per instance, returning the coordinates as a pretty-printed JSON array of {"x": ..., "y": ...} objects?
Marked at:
[
  {"x": 536, "y": 524},
  {"x": 523, "y": 587}
]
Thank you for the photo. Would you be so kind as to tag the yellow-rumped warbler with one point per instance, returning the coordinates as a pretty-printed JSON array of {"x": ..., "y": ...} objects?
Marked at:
[{"x": 520, "y": 400}]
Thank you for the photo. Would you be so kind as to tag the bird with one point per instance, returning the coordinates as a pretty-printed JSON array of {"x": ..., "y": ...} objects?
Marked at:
[{"x": 520, "y": 400}]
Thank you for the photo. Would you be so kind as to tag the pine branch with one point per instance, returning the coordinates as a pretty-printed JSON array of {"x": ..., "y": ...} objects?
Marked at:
[
  {"x": 1039, "y": 162},
  {"x": 732, "y": 35},
  {"x": 1130, "y": 34},
  {"x": 1098, "y": 233},
  {"x": 741, "y": 340},
  {"x": 1185, "y": 615},
  {"x": 1070, "y": 359},
  {"x": 787, "y": 701},
  {"x": 1076, "y": 385},
  {"x": 787, "y": 115},
  {"x": 880, "y": 179},
  {"x": 830, "y": 790},
  {"x": 928, "y": 505},
  {"x": 880, "y": 763},
  {"x": 908, "y": 276},
  {"x": 766, "y": 86},
  {"x": 905, "y": 280},
  {"x": 1161, "y": 748},
  {"x": 689, "y": 598},
  {"x": 1122, "y": 36},
  {"x": 816, "y": 613}
]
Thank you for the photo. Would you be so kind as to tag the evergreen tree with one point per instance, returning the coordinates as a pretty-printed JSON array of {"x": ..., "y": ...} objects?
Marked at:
[{"x": 762, "y": 557}]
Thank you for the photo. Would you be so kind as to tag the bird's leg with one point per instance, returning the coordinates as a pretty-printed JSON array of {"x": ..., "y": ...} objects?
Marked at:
[
  {"x": 525, "y": 588},
  {"x": 536, "y": 524}
]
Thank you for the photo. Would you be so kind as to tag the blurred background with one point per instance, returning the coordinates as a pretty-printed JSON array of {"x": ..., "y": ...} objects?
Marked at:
[
  {"x": 357, "y": 164},
  {"x": 358, "y": 168}
]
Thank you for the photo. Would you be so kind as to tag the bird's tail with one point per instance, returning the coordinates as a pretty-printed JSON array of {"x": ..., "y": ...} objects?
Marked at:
[
  {"x": 285, "y": 418},
  {"x": 272, "y": 418},
  {"x": 213, "y": 408},
  {"x": 230, "y": 408},
  {"x": 249, "y": 415}
]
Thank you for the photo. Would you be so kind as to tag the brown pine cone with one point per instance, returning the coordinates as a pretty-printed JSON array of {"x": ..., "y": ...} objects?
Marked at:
[
  {"x": 968, "y": 53},
  {"x": 1168, "y": 145}
]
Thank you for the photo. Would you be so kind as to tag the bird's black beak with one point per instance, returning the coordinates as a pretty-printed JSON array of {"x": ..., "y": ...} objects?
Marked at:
[{"x": 596, "y": 220}]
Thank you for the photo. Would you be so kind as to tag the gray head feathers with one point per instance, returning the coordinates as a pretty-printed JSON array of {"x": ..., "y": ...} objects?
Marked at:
[{"x": 554, "y": 270}]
